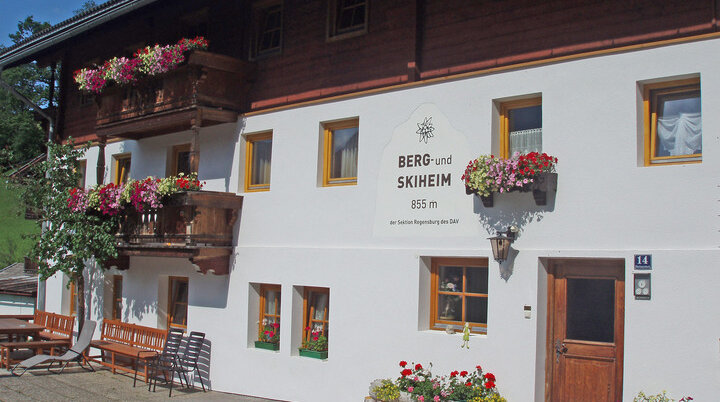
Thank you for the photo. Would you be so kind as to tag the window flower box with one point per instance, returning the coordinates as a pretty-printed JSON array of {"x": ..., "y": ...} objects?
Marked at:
[
  {"x": 267, "y": 345},
  {"x": 533, "y": 172},
  {"x": 315, "y": 354}
]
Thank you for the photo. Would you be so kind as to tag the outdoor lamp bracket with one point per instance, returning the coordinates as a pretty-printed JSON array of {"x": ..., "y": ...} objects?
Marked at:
[{"x": 500, "y": 243}]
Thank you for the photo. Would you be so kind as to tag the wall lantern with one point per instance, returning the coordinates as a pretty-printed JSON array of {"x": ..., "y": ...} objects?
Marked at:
[{"x": 501, "y": 243}]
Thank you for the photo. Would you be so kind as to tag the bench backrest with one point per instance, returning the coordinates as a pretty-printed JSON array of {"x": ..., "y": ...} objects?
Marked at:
[
  {"x": 133, "y": 335},
  {"x": 56, "y": 323},
  {"x": 40, "y": 317}
]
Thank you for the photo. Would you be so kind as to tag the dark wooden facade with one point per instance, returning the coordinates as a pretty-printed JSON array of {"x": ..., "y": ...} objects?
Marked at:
[
  {"x": 210, "y": 89},
  {"x": 406, "y": 40}
]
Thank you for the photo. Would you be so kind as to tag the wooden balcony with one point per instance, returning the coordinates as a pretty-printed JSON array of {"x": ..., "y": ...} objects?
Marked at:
[
  {"x": 209, "y": 89},
  {"x": 197, "y": 225}
]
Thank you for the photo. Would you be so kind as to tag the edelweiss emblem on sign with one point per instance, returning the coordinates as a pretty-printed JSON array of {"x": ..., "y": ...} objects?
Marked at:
[{"x": 425, "y": 129}]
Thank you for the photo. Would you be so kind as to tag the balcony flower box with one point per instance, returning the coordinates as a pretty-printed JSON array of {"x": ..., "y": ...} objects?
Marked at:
[
  {"x": 315, "y": 354},
  {"x": 488, "y": 175},
  {"x": 267, "y": 345}
]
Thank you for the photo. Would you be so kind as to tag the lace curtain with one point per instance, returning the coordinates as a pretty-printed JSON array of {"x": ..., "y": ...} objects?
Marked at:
[
  {"x": 680, "y": 135},
  {"x": 525, "y": 141}
]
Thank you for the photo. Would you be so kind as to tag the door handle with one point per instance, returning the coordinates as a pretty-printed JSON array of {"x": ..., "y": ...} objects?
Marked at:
[{"x": 560, "y": 349}]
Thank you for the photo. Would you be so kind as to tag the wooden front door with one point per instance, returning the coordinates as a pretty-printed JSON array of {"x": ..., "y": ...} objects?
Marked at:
[{"x": 586, "y": 318}]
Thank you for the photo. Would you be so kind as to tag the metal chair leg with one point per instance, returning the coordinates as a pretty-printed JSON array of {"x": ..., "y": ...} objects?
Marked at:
[{"x": 197, "y": 370}]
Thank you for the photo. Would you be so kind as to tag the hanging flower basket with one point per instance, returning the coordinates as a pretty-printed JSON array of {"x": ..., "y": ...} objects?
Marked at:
[{"x": 488, "y": 175}]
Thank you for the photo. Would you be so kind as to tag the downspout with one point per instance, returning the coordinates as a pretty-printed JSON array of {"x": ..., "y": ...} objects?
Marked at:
[{"x": 40, "y": 303}]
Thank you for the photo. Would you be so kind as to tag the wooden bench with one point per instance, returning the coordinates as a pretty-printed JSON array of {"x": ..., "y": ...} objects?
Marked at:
[
  {"x": 7, "y": 348},
  {"x": 123, "y": 343},
  {"x": 58, "y": 327}
]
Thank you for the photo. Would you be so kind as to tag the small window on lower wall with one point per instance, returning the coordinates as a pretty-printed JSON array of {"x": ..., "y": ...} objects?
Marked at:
[
  {"x": 178, "y": 303},
  {"x": 459, "y": 293},
  {"x": 673, "y": 122},
  {"x": 117, "y": 298},
  {"x": 73, "y": 299},
  {"x": 316, "y": 313},
  {"x": 269, "y": 324}
]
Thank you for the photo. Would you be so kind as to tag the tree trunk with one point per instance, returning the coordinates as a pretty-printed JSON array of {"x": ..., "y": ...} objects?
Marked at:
[{"x": 80, "y": 283}]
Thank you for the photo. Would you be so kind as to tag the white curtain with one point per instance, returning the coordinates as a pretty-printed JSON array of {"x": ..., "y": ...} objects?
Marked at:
[
  {"x": 681, "y": 135},
  {"x": 348, "y": 162},
  {"x": 261, "y": 162},
  {"x": 526, "y": 141}
]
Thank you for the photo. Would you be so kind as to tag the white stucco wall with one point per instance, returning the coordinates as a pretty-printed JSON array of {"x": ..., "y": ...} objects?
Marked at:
[
  {"x": 14, "y": 304},
  {"x": 607, "y": 206}
]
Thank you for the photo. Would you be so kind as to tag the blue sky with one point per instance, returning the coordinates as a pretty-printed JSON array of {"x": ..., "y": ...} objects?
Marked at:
[{"x": 52, "y": 11}]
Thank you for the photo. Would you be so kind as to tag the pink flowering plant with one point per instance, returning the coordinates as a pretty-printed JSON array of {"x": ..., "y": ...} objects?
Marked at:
[
  {"x": 270, "y": 332},
  {"x": 316, "y": 340},
  {"x": 490, "y": 174},
  {"x": 423, "y": 386},
  {"x": 110, "y": 199},
  {"x": 146, "y": 62}
]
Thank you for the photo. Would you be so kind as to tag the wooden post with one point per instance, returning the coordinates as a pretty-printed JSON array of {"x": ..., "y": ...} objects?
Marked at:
[
  {"x": 101, "y": 161},
  {"x": 195, "y": 142}
]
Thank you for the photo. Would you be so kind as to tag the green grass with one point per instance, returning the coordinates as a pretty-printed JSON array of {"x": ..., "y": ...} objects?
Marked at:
[{"x": 13, "y": 225}]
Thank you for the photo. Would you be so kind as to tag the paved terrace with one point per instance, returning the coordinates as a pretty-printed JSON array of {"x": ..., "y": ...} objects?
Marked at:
[{"x": 76, "y": 384}]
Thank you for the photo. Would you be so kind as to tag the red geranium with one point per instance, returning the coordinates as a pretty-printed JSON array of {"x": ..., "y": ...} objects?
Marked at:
[
  {"x": 463, "y": 373},
  {"x": 418, "y": 367},
  {"x": 489, "y": 385},
  {"x": 403, "y": 363},
  {"x": 490, "y": 376},
  {"x": 406, "y": 372}
]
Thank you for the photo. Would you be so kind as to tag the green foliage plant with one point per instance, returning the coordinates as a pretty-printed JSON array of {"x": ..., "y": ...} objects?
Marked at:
[
  {"x": 317, "y": 341},
  {"x": 68, "y": 242}
]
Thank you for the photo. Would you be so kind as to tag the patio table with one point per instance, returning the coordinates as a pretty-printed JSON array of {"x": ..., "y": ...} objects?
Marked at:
[{"x": 14, "y": 326}]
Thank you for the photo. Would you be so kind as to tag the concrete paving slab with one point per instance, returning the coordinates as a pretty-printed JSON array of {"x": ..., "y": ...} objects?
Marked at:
[{"x": 76, "y": 384}]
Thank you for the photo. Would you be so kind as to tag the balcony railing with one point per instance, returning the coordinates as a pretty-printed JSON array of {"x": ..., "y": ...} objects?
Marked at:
[
  {"x": 197, "y": 225},
  {"x": 209, "y": 89}
]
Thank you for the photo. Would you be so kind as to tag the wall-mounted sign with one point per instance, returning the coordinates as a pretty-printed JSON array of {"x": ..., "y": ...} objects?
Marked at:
[
  {"x": 643, "y": 261},
  {"x": 419, "y": 187},
  {"x": 641, "y": 287}
]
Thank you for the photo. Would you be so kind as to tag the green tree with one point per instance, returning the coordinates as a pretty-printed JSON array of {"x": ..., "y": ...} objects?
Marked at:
[
  {"x": 85, "y": 7},
  {"x": 70, "y": 241},
  {"x": 19, "y": 131}
]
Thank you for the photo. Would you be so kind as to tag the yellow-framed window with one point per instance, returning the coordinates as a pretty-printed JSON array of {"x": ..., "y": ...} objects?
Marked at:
[
  {"x": 347, "y": 18},
  {"x": 258, "y": 157},
  {"x": 521, "y": 127},
  {"x": 340, "y": 165},
  {"x": 122, "y": 168},
  {"x": 316, "y": 311},
  {"x": 459, "y": 293},
  {"x": 117, "y": 297},
  {"x": 82, "y": 169},
  {"x": 180, "y": 160},
  {"x": 269, "y": 307},
  {"x": 672, "y": 122},
  {"x": 268, "y": 31},
  {"x": 178, "y": 304}
]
